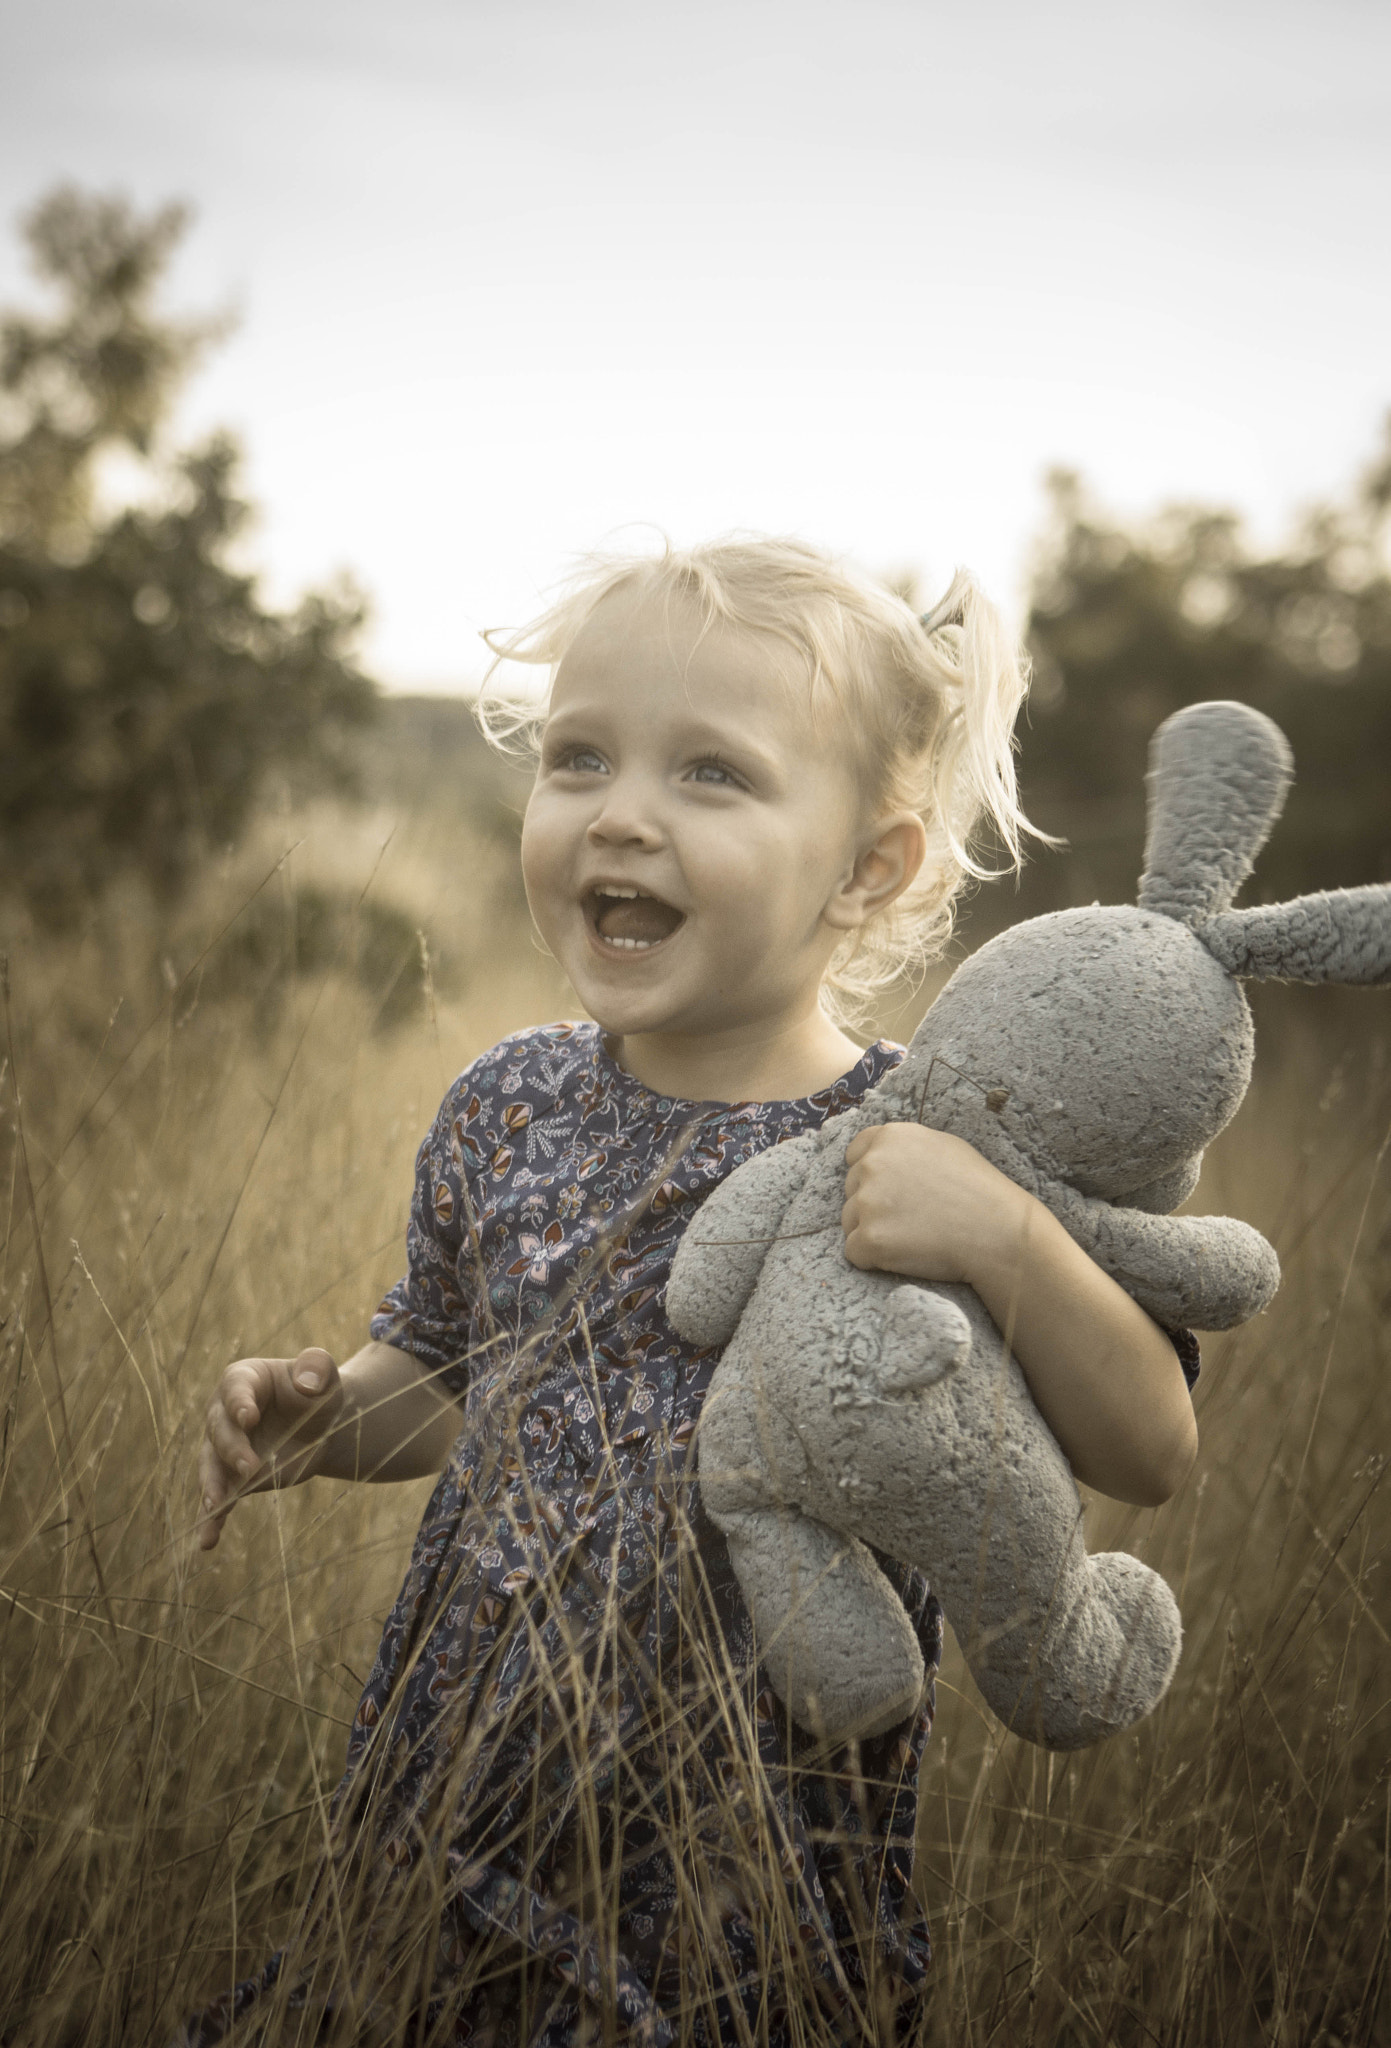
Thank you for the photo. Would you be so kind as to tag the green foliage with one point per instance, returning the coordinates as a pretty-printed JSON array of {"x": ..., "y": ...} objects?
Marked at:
[
  {"x": 1127, "y": 625},
  {"x": 279, "y": 939},
  {"x": 145, "y": 692}
]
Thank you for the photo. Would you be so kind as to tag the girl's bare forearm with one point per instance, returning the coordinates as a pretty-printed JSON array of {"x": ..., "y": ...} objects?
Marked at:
[
  {"x": 396, "y": 1422},
  {"x": 1107, "y": 1380}
]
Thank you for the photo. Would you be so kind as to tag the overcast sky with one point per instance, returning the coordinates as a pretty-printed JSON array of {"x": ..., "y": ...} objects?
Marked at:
[{"x": 514, "y": 277}]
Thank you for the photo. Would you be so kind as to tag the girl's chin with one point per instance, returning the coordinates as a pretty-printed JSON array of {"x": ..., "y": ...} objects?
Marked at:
[
  {"x": 619, "y": 1019},
  {"x": 637, "y": 1013}
]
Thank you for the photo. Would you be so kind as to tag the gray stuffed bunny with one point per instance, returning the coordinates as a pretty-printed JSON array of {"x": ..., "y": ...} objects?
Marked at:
[{"x": 1091, "y": 1055}]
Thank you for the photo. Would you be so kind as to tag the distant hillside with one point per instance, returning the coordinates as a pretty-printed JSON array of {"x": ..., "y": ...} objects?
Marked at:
[{"x": 428, "y": 752}]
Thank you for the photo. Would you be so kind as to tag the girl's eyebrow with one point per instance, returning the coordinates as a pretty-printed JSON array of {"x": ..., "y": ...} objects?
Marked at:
[
  {"x": 699, "y": 736},
  {"x": 738, "y": 748},
  {"x": 566, "y": 722},
  {"x": 744, "y": 754}
]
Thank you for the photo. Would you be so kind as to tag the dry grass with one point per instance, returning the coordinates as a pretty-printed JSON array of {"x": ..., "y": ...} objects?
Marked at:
[{"x": 200, "y": 1177}]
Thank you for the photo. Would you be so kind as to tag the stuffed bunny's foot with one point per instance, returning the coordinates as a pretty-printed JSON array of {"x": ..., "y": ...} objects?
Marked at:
[{"x": 1105, "y": 1668}]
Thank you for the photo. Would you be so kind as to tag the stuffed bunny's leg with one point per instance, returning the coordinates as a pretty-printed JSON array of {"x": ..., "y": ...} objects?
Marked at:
[{"x": 832, "y": 1633}]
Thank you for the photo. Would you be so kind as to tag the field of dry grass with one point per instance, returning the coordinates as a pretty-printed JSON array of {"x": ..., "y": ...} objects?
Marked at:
[{"x": 207, "y": 1159}]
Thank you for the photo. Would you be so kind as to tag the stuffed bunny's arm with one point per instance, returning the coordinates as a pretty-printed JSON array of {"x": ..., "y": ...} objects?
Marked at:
[
  {"x": 721, "y": 1254},
  {"x": 1198, "y": 1272}
]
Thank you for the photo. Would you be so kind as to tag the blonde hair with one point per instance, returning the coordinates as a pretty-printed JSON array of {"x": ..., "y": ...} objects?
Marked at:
[{"x": 930, "y": 703}]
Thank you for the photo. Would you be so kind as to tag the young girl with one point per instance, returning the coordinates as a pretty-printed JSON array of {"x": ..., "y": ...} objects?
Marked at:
[{"x": 570, "y": 1810}]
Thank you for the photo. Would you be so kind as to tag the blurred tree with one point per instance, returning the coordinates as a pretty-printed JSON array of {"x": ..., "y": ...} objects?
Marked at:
[
  {"x": 144, "y": 690},
  {"x": 1126, "y": 625}
]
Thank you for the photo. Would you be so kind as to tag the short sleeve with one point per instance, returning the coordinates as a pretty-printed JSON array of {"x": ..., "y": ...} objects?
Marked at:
[
  {"x": 428, "y": 1311},
  {"x": 1185, "y": 1343}
]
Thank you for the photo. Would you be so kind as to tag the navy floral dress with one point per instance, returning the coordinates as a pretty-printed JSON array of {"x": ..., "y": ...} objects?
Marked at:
[{"x": 573, "y": 1809}]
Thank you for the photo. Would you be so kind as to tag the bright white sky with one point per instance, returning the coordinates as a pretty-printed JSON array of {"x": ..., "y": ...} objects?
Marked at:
[{"x": 513, "y": 275}]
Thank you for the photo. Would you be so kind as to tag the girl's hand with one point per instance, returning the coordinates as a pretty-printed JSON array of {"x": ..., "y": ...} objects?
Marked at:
[
  {"x": 1106, "y": 1379},
  {"x": 267, "y": 1425},
  {"x": 927, "y": 1205}
]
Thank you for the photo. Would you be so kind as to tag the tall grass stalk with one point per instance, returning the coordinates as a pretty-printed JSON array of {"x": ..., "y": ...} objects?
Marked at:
[{"x": 186, "y": 1179}]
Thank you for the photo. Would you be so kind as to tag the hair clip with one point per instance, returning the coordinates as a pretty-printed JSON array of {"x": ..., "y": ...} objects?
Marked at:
[{"x": 947, "y": 613}]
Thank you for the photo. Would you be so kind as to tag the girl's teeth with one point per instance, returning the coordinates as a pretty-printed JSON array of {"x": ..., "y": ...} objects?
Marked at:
[{"x": 629, "y": 919}]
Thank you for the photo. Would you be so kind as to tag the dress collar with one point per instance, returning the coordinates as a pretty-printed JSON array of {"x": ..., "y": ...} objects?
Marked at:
[{"x": 849, "y": 1088}]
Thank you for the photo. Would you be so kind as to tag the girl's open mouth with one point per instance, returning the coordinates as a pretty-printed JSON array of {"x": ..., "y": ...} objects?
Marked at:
[{"x": 628, "y": 918}]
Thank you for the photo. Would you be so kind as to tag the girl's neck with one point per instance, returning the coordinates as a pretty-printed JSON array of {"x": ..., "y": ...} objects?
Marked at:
[{"x": 752, "y": 1063}]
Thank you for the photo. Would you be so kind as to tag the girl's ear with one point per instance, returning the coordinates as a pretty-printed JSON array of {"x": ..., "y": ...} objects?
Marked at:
[{"x": 882, "y": 871}]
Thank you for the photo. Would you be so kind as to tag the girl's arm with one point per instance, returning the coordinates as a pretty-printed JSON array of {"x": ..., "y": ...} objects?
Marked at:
[
  {"x": 1107, "y": 1380},
  {"x": 277, "y": 1421}
]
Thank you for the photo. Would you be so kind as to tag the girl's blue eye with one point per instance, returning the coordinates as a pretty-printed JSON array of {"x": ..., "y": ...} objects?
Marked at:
[
  {"x": 583, "y": 760},
  {"x": 713, "y": 769}
]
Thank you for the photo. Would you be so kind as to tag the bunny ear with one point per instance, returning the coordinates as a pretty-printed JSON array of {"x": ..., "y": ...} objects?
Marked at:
[
  {"x": 1217, "y": 779},
  {"x": 1342, "y": 935}
]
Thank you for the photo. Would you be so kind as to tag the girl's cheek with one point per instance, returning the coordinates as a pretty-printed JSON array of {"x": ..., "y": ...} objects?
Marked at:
[
  {"x": 539, "y": 876},
  {"x": 538, "y": 847}
]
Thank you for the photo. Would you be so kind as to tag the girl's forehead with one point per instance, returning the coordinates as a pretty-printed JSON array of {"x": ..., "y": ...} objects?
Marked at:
[
  {"x": 662, "y": 643},
  {"x": 654, "y": 673}
]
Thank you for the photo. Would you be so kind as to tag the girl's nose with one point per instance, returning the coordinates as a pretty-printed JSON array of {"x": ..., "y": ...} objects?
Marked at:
[{"x": 627, "y": 817}]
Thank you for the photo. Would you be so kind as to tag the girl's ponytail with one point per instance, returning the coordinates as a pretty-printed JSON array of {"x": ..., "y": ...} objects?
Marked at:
[{"x": 986, "y": 680}]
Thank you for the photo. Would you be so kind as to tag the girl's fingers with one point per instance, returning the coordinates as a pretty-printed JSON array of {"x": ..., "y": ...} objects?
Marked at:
[
  {"x": 312, "y": 1373},
  {"x": 213, "y": 1500},
  {"x": 265, "y": 1402},
  {"x": 245, "y": 1391},
  {"x": 230, "y": 1445},
  {"x": 856, "y": 1253}
]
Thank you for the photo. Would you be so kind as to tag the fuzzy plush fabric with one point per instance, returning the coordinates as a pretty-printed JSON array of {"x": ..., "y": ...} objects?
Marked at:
[{"x": 1091, "y": 1055}]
